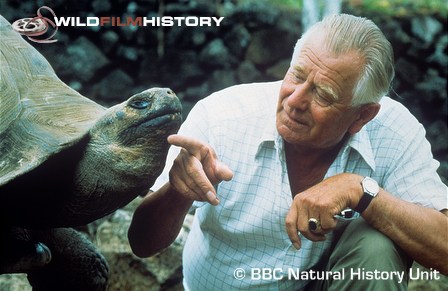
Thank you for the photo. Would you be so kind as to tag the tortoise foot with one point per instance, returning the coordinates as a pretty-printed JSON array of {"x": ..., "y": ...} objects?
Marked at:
[
  {"x": 76, "y": 263},
  {"x": 23, "y": 256}
]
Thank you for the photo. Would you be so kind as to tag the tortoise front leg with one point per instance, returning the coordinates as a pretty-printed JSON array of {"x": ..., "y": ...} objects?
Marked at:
[
  {"x": 76, "y": 263},
  {"x": 19, "y": 253}
]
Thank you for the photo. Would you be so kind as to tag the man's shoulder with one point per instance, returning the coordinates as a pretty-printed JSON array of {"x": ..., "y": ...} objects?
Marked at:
[
  {"x": 243, "y": 100},
  {"x": 394, "y": 120},
  {"x": 393, "y": 113},
  {"x": 250, "y": 88},
  {"x": 248, "y": 93}
]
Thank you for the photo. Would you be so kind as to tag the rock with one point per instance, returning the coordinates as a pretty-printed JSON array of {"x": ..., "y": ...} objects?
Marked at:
[
  {"x": 180, "y": 38},
  {"x": 114, "y": 87},
  {"x": 440, "y": 56},
  {"x": 221, "y": 79},
  {"x": 132, "y": 7},
  {"x": 407, "y": 71},
  {"x": 128, "y": 271},
  {"x": 149, "y": 70},
  {"x": 194, "y": 7},
  {"x": 256, "y": 14},
  {"x": 237, "y": 40},
  {"x": 100, "y": 6},
  {"x": 432, "y": 86},
  {"x": 81, "y": 60},
  {"x": 278, "y": 71},
  {"x": 128, "y": 53},
  {"x": 400, "y": 39},
  {"x": 216, "y": 54},
  {"x": 147, "y": 38},
  {"x": 14, "y": 282},
  {"x": 128, "y": 33},
  {"x": 177, "y": 70},
  {"x": 425, "y": 28},
  {"x": 247, "y": 72},
  {"x": 268, "y": 47},
  {"x": 109, "y": 40}
]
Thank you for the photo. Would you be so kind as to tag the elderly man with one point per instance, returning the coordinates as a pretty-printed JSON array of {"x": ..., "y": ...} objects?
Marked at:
[{"x": 271, "y": 167}]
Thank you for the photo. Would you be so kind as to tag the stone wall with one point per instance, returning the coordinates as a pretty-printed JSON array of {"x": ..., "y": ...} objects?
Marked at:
[{"x": 253, "y": 43}]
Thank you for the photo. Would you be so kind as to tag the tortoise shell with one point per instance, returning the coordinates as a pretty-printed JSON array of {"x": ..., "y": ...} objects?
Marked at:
[{"x": 39, "y": 114}]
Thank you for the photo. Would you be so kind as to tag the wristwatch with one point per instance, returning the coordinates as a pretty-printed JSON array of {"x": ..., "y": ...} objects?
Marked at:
[{"x": 370, "y": 188}]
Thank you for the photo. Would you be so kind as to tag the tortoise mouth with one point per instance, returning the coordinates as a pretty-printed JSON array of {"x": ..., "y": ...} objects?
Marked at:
[{"x": 162, "y": 117}]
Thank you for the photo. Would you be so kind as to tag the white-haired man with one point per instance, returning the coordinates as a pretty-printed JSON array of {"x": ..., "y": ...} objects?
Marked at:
[{"x": 269, "y": 168}]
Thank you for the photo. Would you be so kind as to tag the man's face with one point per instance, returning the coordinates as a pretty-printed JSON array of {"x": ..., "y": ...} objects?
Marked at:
[{"x": 314, "y": 108}]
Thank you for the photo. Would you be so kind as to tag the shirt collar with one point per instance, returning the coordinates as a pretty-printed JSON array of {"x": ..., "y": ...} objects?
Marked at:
[
  {"x": 360, "y": 142},
  {"x": 269, "y": 137}
]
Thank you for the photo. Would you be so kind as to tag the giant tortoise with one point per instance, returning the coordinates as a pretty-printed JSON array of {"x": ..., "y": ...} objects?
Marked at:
[{"x": 66, "y": 161}]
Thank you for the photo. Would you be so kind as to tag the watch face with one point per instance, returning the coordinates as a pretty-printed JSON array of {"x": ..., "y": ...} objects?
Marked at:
[{"x": 371, "y": 186}]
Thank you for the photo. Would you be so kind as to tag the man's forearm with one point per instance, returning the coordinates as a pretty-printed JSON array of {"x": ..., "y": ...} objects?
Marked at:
[
  {"x": 157, "y": 221},
  {"x": 421, "y": 232}
]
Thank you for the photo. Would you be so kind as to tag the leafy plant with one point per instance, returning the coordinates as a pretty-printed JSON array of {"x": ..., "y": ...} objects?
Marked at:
[{"x": 389, "y": 7}]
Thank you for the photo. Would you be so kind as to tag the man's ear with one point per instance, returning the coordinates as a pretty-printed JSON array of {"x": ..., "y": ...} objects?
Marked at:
[{"x": 367, "y": 112}]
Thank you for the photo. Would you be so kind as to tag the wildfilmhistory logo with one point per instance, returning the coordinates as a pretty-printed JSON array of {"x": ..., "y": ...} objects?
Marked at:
[{"x": 36, "y": 28}]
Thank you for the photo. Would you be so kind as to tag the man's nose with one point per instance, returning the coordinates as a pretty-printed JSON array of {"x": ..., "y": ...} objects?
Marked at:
[{"x": 300, "y": 98}]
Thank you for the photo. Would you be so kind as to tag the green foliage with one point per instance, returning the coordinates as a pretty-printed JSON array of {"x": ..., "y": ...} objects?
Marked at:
[
  {"x": 295, "y": 4},
  {"x": 388, "y": 7},
  {"x": 401, "y": 7}
]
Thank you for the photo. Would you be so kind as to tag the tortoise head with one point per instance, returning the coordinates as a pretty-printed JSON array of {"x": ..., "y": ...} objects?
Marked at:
[
  {"x": 132, "y": 135},
  {"x": 142, "y": 119},
  {"x": 125, "y": 153}
]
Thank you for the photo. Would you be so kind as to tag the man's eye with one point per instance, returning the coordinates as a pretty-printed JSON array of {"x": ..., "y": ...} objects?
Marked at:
[
  {"x": 297, "y": 78},
  {"x": 323, "y": 99}
]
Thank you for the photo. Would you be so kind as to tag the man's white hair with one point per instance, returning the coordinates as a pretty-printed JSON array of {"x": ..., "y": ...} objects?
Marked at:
[{"x": 344, "y": 33}]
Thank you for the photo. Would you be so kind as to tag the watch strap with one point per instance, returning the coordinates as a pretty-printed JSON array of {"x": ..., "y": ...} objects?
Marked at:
[{"x": 363, "y": 202}]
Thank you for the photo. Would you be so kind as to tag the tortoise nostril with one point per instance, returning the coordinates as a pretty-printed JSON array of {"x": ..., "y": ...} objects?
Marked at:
[{"x": 170, "y": 92}]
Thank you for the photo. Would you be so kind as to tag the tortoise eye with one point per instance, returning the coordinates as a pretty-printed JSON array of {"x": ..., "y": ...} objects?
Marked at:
[{"x": 139, "y": 104}]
